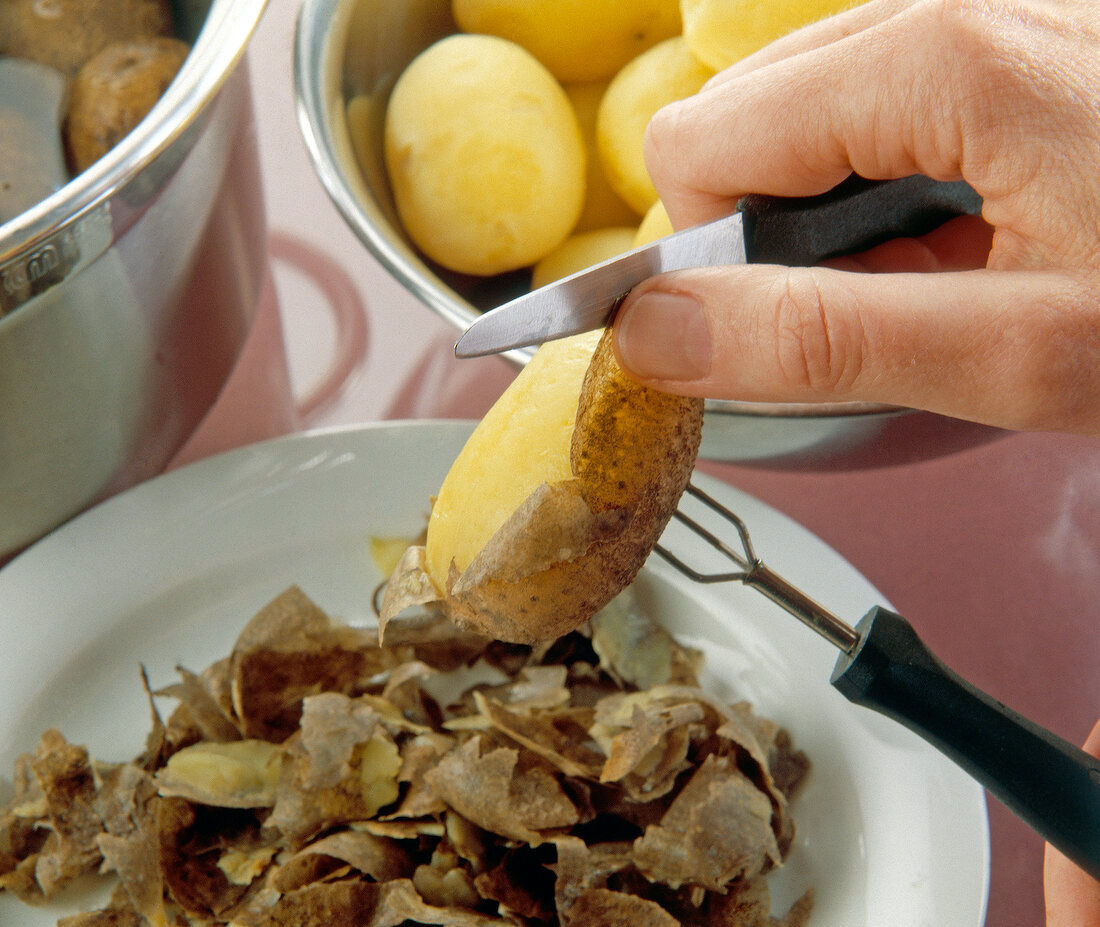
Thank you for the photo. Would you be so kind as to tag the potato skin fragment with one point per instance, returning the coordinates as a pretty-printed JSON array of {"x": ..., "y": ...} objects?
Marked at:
[{"x": 632, "y": 453}]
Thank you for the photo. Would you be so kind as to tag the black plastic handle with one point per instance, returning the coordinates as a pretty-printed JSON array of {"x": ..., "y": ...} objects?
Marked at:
[
  {"x": 854, "y": 216},
  {"x": 1051, "y": 785}
]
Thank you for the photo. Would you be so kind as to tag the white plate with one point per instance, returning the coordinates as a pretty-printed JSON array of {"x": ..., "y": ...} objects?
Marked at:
[{"x": 891, "y": 834}]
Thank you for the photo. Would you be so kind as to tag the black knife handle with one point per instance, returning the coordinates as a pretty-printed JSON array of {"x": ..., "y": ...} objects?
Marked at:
[
  {"x": 854, "y": 216},
  {"x": 1051, "y": 785}
]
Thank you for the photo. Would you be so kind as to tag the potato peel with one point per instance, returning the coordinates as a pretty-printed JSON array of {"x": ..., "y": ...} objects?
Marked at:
[
  {"x": 545, "y": 789},
  {"x": 552, "y": 528}
]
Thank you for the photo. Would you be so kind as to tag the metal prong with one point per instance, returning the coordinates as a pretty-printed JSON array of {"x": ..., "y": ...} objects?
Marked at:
[{"x": 752, "y": 572}]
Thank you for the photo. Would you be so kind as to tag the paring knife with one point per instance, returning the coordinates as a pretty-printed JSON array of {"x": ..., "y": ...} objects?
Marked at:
[{"x": 798, "y": 231}]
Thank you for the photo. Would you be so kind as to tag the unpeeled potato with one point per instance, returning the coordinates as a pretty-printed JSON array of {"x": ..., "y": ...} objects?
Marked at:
[
  {"x": 578, "y": 40},
  {"x": 114, "y": 91},
  {"x": 484, "y": 154},
  {"x": 65, "y": 34},
  {"x": 667, "y": 72},
  {"x": 556, "y": 500}
]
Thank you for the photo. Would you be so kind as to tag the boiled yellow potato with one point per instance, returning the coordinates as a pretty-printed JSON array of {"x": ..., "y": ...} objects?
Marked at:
[
  {"x": 667, "y": 72},
  {"x": 721, "y": 32},
  {"x": 583, "y": 250},
  {"x": 484, "y": 154},
  {"x": 578, "y": 40},
  {"x": 655, "y": 224},
  {"x": 603, "y": 207}
]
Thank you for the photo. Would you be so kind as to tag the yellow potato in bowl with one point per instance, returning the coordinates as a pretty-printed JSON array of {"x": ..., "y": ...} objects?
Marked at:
[
  {"x": 484, "y": 154},
  {"x": 556, "y": 500},
  {"x": 655, "y": 224},
  {"x": 667, "y": 72},
  {"x": 578, "y": 40},
  {"x": 583, "y": 250},
  {"x": 603, "y": 207},
  {"x": 721, "y": 32}
]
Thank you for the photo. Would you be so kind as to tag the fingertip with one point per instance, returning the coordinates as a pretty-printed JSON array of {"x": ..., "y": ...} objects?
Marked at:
[{"x": 663, "y": 335}]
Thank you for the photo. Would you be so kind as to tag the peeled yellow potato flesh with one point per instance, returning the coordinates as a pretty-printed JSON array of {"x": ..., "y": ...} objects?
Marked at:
[
  {"x": 556, "y": 500},
  {"x": 578, "y": 40},
  {"x": 665, "y": 73},
  {"x": 484, "y": 154},
  {"x": 583, "y": 250},
  {"x": 603, "y": 207},
  {"x": 721, "y": 32}
]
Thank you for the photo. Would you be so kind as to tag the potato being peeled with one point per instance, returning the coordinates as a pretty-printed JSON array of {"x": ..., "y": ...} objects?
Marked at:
[
  {"x": 555, "y": 501},
  {"x": 484, "y": 154}
]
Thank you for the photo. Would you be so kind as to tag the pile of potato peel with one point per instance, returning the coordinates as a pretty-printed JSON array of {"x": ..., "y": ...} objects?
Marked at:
[{"x": 315, "y": 777}]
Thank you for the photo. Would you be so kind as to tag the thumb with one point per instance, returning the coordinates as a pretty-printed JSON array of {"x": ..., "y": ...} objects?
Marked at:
[{"x": 1008, "y": 348}]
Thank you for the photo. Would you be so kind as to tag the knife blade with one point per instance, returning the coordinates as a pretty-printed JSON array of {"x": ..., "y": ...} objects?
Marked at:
[
  {"x": 794, "y": 231},
  {"x": 585, "y": 300}
]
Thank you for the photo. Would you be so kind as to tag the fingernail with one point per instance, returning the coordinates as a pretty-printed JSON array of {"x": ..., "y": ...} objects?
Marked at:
[{"x": 664, "y": 335}]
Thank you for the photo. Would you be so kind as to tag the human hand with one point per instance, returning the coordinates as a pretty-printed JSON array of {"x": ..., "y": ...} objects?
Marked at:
[
  {"x": 1072, "y": 897},
  {"x": 996, "y": 321}
]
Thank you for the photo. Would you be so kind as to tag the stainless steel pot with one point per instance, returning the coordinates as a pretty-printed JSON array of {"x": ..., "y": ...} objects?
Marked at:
[
  {"x": 357, "y": 48},
  {"x": 127, "y": 294}
]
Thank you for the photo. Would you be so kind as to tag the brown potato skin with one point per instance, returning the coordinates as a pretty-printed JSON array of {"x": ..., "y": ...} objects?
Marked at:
[
  {"x": 114, "y": 91},
  {"x": 66, "y": 33},
  {"x": 633, "y": 452}
]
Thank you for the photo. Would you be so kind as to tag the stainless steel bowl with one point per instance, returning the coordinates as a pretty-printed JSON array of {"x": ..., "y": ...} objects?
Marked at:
[
  {"x": 357, "y": 48},
  {"x": 127, "y": 294}
]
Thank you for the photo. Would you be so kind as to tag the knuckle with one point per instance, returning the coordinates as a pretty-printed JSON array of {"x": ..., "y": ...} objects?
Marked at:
[
  {"x": 663, "y": 139},
  {"x": 969, "y": 18},
  {"x": 817, "y": 348}
]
